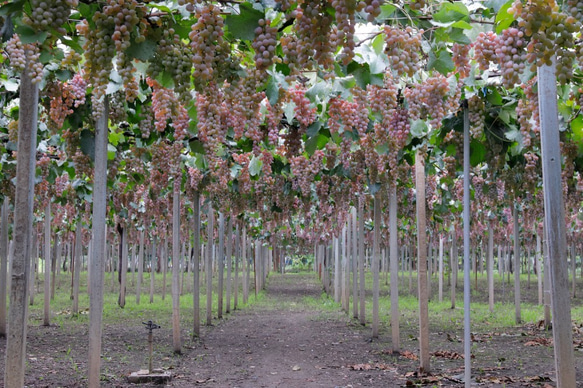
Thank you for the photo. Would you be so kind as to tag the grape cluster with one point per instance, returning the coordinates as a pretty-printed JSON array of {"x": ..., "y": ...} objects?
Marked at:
[
  {"x": 295, "y": 55},
  {"x": 531, "y": 175},
  {"x": 174, "y": 58},
  {"x": 211, "y": 113},
  {"x": 13, "y": 131},
  {"x": 114, "y": 25},
  {"x": 551, "y": 32},
  {"x": 244, "y": 102},
  {"x": 208, "y": 45},
  {"x": 49, "y": 14},
  {"x": 429, "y": 100},
  {"x": 372, "y": 9},
  {"x": 399, "y": 128},
  {"x": 511, "y": 55},
  {"x": 304, "y": 113},
  {"x": 461, "y": 59},
  {"x": 264, "y": 44},
  {"x": 244, "y": 178},
  {"x": 343, "y": 36},
  {"x": 313, "y": 26},
  {"x": 527, "y": 112},
  {"x": 22, "y": 54},
  {"x": 383, "y": 99},
  {"x": 417, "y": 5},
  {"x": 485, "y": 49},
  {"x": 403, "y": 47},
  {"x": 477, "y": 115},
  {"x": 72, "y": 59},
  {"x": 167, "y": 108}
]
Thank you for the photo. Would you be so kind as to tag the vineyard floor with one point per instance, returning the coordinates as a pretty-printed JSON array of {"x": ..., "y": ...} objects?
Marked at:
[{"x": 292, "y": 336}]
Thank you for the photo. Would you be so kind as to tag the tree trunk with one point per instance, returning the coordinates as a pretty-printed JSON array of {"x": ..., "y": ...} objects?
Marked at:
[
  {"x": 394, "y": 267},
  {"x": 555, "y": 226},
  {"x": 209, "y": 266},
  {"x": 196, "y": 263},
  {"x": 47, "y": 305},
  {"x": 99, "y": 243},
  {"x": 176, "y": 342},
  {"x": 424, "y": 355},
  {"x": 4, "y": 243}
]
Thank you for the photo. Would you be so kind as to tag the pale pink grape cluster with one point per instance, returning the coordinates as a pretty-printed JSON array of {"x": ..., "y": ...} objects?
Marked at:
[
  {"x": 46, "y": 15},
  {"x": 485, "y": 49},
  {"x": 403, "y": 47},
  {"x": 461, "y": 58},
  {"x": 264, "y": 44},
  {"x": 477, "y": 116},
  {"x": 303, "y": 110},
  {"x": 511, "y": 55},
  {"x": 207, "y": 42},
  {"x": 343, "y": 34},
  {"x": 244, "y": 178},
  {"x": 429, "y": 99}
]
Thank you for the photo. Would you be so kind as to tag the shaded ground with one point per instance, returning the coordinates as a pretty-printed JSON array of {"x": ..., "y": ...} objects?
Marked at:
[{"x": 289, "y": 339}]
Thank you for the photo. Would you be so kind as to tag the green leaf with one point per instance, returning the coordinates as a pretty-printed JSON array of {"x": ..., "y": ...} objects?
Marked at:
[
  {"x": 243, "y": 25},
  {"x": 450, "y": 12},
  {"x": 387, "y": 10},
  {"x": 477, "y": 153},
  {"x": 316, "y": 143},
  {"x": 462, "y": 24},
  {"x": 314, "y": 128},
  {"x": 441, "y": 62},
  {"x": 87, "y": 143},
  {"x": 111, "y": 151},
  {"x": 419, "y": 128},
  {"x": 144, "y": 51},
  {"x": 457, "y": 35},
  {"x": 503, "y": 18},
  {"x": 28, "y": 35},
  {"x": 494, "y": 97},
  {"x": 165, "y": 80},
  {"x": 577, "y": 128},
  {"x": 255, "y": 166}
]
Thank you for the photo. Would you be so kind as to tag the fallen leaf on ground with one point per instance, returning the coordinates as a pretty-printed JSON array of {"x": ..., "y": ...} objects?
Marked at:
[
  {"x": 447, "y": 354},
  {"x": 409, "y": 355},
  {"x": 296, "y": 368}
]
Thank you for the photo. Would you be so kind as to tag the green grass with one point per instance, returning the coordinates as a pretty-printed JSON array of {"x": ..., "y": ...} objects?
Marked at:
[{"x": 160, "y": 311}]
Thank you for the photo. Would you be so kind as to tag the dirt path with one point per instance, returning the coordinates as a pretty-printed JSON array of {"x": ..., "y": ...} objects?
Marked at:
[{"x": 282, "y": 342}]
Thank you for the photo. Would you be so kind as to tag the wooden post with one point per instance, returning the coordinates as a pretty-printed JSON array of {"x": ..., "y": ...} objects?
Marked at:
[
  {"x": 196, "y": 263},
  {"x": 221, "y": 265},
  {"x": 490, "y": 269},
  {"x": 424, "y": 355},
  {"x": 209, "y": 266},
  {"x": 361, "y": 258},
  {"x": 47, "y": 295},
  {"x": 140, "y": 266},
  {"x": 516, "y": 264},
  {"x": 176, "y": 342},
  {"x": 229, "y": 262},
  {"x": 98, "y": 255},
  {"x": 394, "y": 267},
  {"x": 3, "y": 265},
  {"x": 555, "y": 226},
  {"x": 375, "y": 264},
  {"x": 354, "y": 241},
  {"x": 467, "y": 243}
]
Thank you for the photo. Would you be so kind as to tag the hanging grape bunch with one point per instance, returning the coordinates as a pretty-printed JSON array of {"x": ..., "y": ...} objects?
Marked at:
[
  {"x": 19, "y": 54},
  {"x": 49, "y": 14},
  {"x": 208, "y": 45},
  {"x": 313, "y": 26},
  {"x": 343, "y": 36},
  {"x": 403, "y": 48},
  {"x": 174, "y": 58},
  {"x": 551, "y": 34},
  {"x": 511, "y": 55},
  {"x": 264, "y": 44}
]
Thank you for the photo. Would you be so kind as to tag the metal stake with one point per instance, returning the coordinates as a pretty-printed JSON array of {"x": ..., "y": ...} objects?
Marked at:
[{"x": 150, "y": 326}]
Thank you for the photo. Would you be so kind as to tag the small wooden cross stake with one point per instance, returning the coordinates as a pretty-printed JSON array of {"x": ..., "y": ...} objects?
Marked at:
[{"x": 150, "y": 326}]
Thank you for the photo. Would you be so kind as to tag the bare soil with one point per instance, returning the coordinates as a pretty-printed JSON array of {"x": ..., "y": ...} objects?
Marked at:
[{"x": 281, "y": 341}]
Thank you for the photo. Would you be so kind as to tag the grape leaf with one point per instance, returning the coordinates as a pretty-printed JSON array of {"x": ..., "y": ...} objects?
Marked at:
[
  {"x": 441, "y": 62},
  {"x": 451, "y": 12},
  {"x": 477, "y": 153},
  {"x": 144, "y": 51},
  {"x": 503, "y": 18},
  {"x": 87, "y": 143},
  {"x": 255, "y": 166},
  {"x": 28, "y": 35},
  {"x": 243, "y": 25}
]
